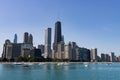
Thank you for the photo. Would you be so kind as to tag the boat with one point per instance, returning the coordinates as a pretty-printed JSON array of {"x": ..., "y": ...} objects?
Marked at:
[
  {"x": 28, "y": 63},
  {"x": 85, "y": 64},
  {"x": 17, "y": 63},
  {"x": 59, "y": 64}
]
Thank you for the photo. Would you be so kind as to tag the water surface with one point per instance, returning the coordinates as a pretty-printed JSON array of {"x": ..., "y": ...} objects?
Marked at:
[{"x": 73, "y": 71}]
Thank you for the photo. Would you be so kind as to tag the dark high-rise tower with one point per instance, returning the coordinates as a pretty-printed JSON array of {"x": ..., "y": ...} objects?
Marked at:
[
  {"x": 15, "y": 38},
  {"x": 26, "y": 37},
  {"x": 58, "y": 35},
  {"x": 30, "y": 39}
]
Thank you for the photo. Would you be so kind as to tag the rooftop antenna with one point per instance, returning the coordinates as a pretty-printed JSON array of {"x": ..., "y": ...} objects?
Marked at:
[{"x": 58, "y": 16}]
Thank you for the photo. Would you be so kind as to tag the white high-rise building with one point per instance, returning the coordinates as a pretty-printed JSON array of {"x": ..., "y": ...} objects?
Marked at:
[
  {"x": 93, "y": 54},
  {"x": 67, "y": 51},
  {"x": 47, "y": 52},
  {"x": 60, "y": 51}
]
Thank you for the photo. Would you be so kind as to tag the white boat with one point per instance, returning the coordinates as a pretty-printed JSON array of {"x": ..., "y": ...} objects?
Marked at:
[
  {"x": 59, "y": 64},
  {"x": 17, "y": 63},
  {"x": 27, "y": 64},
  {"x": 86, "y": 65}
]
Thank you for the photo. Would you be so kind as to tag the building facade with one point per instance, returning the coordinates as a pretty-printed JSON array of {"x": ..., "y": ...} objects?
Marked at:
[
  {"x": 30, "y": 39},
  {"x": 84, "y": 55},
  {"x": 42, "y": 48},
  {"x": 67, "y": 51},
  {"x": 15, "y": 39},
  {"x": 57, "y": 35},
  {"x": 25, "y": 49},
  {"x": 112, "y": 57},
  {"x": 103, "y": 57},
  {"x": 47, "y": 43},
  {"x": 11, "y": 51},
  {"x": 26, "y": 34},
  {"x": 93, "y": 54}
]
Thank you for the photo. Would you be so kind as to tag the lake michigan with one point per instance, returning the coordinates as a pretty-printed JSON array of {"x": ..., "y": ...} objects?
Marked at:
[{"x": 52, "y": 71}]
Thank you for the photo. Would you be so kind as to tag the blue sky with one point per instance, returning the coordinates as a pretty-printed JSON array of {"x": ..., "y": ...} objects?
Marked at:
[{"x": 90, "y": 23}]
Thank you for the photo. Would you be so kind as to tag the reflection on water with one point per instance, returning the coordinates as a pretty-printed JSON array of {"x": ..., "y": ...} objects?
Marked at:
[{"x": 73, "y": 71}]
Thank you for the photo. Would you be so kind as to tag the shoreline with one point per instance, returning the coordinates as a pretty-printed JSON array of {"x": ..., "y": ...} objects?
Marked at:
[{"x": 59, "y": 62}]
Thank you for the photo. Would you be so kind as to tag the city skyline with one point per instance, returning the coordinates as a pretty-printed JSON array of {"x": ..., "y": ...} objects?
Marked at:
[
  {"x": 26, "y": 51},
  {"x": 88, "y": 23}
]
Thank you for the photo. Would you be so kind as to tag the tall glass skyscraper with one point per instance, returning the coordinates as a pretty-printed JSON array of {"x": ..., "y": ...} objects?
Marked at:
[
  {"x": 15, "y": 38},
  {"x": 57, "y": 35},
  {"x": 112, "y": 57}
]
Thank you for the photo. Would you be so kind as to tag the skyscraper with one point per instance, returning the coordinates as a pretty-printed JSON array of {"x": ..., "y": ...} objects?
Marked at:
[
  {"x": 57, "y": 35},
  {"x": 112, "y": 57},
  {"x": 60, "y": 51},
  {"x": 47, "y": 42},
  {"x": 11, "y": 50},
  {"x": 74, "y": 47},
  {"x": 15, "y": 38},
  {"x": 67, "y": 51},
  {"x": 84, "y": 54},
  {"x": 30, "y": 39},
  {"x": 4, "y": 54},
  {"x": 42, "y": 48},
  {"x": 103, "y": 57},
  {"x": 107, "y": 58},
  {"x": 26, "y": 37},
  {"x": 93, "y": 54}
]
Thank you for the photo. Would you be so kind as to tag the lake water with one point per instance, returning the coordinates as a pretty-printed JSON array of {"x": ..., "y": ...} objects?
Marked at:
[{"x": 73, "y": 71}]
